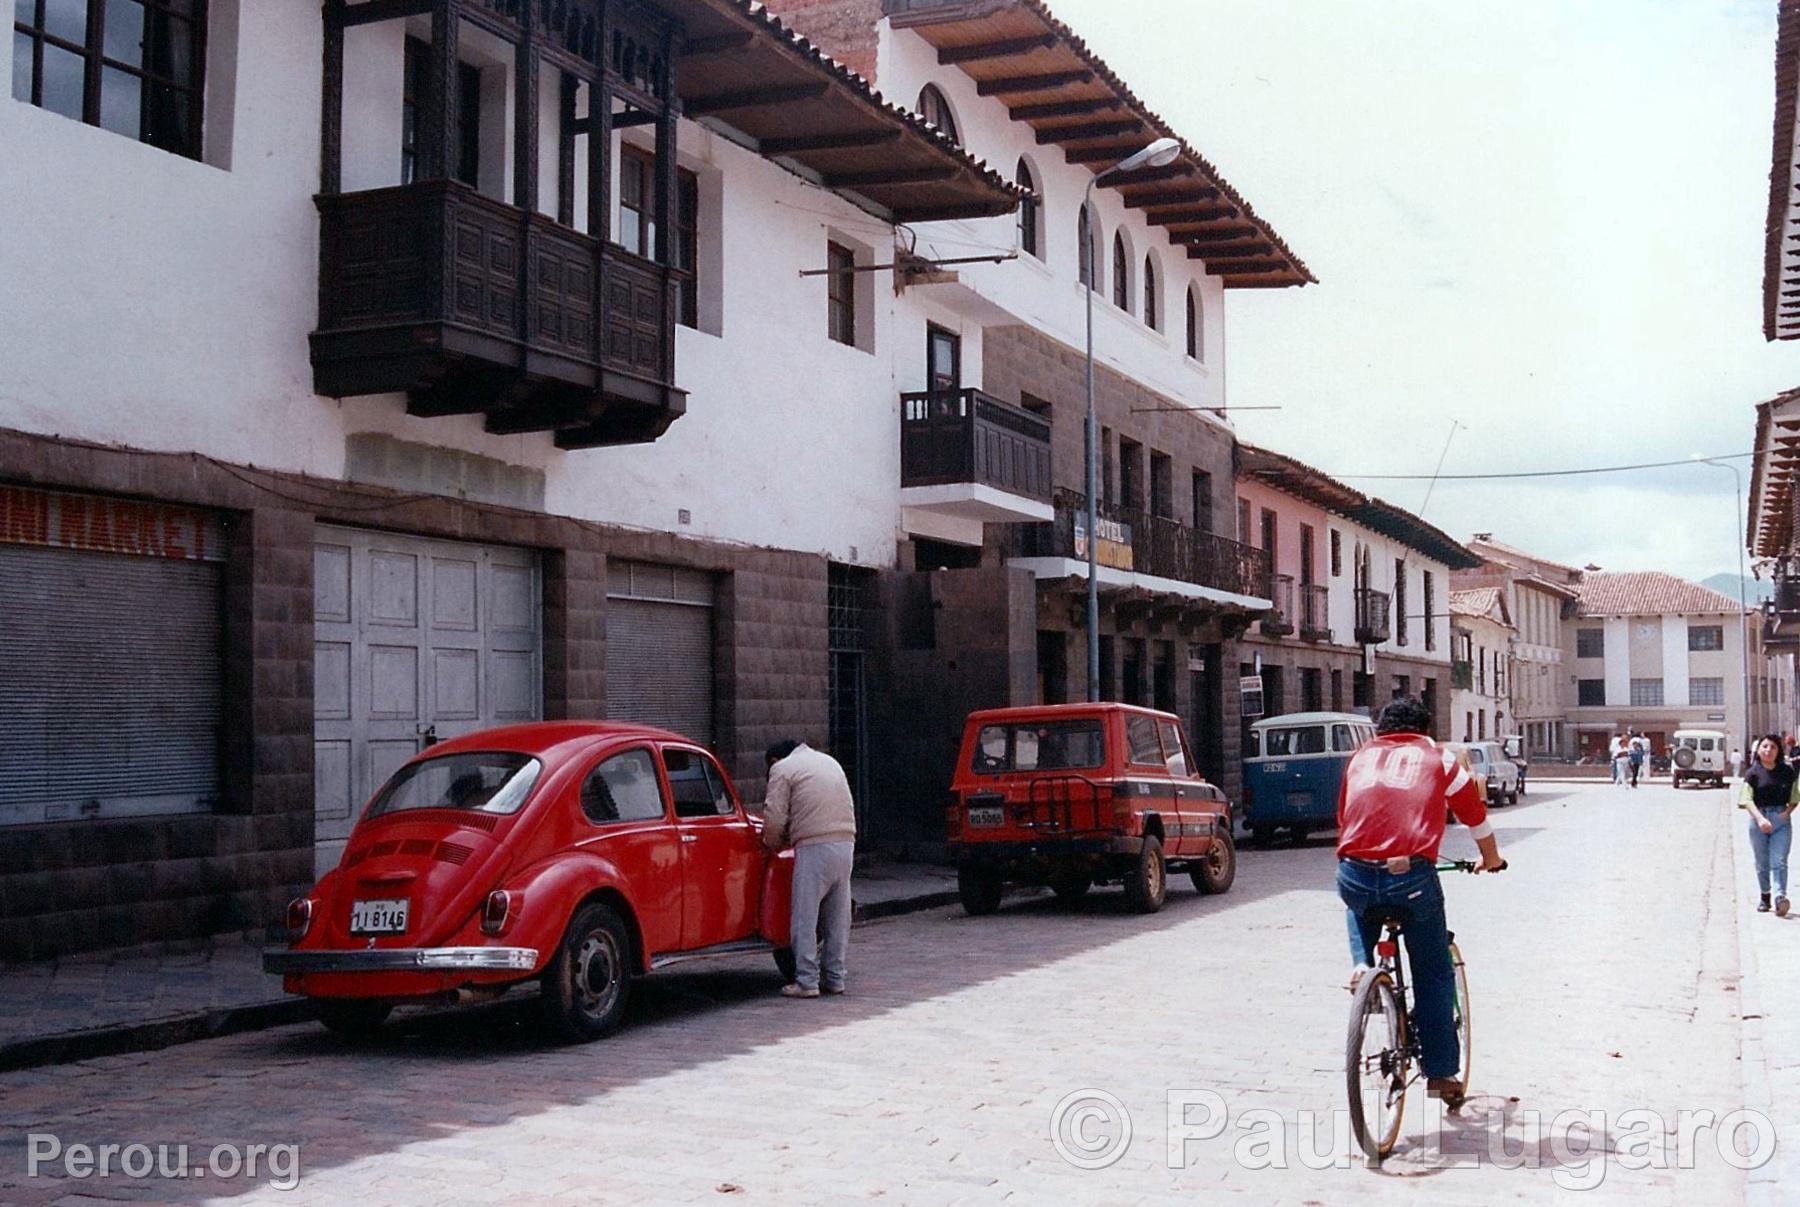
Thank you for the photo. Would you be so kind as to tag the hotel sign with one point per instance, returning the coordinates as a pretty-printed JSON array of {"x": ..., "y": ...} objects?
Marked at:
[
  {"x": 1114, "y": 548},
  {"x": 98, "y": 524}
]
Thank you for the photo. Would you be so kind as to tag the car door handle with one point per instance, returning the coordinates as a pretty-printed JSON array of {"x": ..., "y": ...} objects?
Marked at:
[{"x": 690, "y": 838}]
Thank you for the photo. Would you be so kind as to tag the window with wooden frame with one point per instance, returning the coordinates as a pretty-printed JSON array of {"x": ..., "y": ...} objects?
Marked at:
[
  {"x": 1088, "y": 269},
  {"x": 1196, "y": 328},
  {"x": 1121, "y": 267},
  {"x": 1430, "y": 611},
  {"x": 687, "y": 247},
  {"x": 935, "y": 108},
  {"x": 1031, "y": 213},
  {"x": 1152, "y": 311},
  {"x": 637, "y": 202},
  {"x": 840, "y": 290},
  {"x": 135, "y": 67},
  {"x": 1337, "y": 554},
  {"x": 465, "y": 139}
]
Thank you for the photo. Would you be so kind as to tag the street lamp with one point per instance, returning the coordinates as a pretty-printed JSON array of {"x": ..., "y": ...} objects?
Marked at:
[
  {"x": 1158, "y": 154},
  {"x": 1743, "y": 607}
]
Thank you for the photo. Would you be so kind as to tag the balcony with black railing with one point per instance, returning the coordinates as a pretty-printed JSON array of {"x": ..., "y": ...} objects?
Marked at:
[
  {"x": 1781, "y": 614},
  {"x": 1135, "y": 540},
  {"x": 1373, "y": 616},
  {"x": 967, "y": 453},
  {"x": 1315, "y": 612},
  {"x": 1280, "y": 621},
  {"x": 1462, "y": 676}
]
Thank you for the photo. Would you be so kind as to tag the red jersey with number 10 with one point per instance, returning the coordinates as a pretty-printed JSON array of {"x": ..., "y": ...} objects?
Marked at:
[{"x": 1393, "y": 798}]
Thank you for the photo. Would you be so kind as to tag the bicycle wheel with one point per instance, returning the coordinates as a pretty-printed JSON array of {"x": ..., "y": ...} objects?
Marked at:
[
  {"x": 1464, "y": 1035},
  {"x": 1376, "y": 1065}
]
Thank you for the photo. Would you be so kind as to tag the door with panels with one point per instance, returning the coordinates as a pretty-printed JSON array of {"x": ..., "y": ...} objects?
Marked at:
[{"x": 415, "y": 641}]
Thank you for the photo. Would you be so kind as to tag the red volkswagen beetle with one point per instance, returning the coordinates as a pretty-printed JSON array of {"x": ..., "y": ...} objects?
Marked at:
[{"x": 576, "y": 854}]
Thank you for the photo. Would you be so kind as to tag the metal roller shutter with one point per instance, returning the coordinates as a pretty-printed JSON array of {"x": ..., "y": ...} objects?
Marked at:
[
  {"x": 659, "y": 648},
  {"x": 109, "y": 684}
]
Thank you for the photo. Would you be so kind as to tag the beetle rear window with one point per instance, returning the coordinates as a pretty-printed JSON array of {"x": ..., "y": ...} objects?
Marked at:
[
  {"x": 1045, "y": 746},
  {"x": 482, "y": 782}
]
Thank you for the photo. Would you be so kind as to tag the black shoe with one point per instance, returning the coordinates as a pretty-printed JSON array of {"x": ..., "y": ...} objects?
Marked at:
[{"x": 1762, "y": 904}]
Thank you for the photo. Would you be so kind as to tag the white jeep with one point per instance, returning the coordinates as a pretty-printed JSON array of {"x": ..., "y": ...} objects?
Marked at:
[{"x": 1700, "y": 755}]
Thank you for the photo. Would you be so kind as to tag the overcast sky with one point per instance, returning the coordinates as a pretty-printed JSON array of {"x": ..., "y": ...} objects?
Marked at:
[{"x": 1540, "y": 219}]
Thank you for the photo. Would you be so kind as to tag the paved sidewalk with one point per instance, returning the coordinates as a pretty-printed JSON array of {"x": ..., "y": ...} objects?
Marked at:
[
  {"x": 142, "y": 998},
  {"x": 1769, "y": 963}
]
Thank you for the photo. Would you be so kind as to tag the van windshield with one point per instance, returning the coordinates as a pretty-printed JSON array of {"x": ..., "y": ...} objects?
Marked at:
[
  {"x": 482, "y": 782},
  {"x": 1040, "y": 746},
  {"x": 1300, "y": 739}
]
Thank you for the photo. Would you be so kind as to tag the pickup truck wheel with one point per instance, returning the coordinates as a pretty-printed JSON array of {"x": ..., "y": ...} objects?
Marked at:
[
  {"x": 1214, "y": 873},
  {"x": 784, "y": 960},
  {"x": 588, "y": 981},
  {"x": 980, "y": 891},
  {"x": 1072, "y": 887},
  {"x": 352, "y": 1018},
  {"x": 1147, "y": 884}
]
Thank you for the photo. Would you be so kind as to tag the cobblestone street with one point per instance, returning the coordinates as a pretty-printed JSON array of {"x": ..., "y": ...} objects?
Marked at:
[{"x": 1603, "y": 968}]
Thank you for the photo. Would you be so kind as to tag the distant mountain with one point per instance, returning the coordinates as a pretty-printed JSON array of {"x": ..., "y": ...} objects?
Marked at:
[{"x": 1727, "y": 585}]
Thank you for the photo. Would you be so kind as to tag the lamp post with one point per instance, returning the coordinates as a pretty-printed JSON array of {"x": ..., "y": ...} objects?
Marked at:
[
  {"x": 1158, "y": 154},
  {"x": 1743, "y": 606}
]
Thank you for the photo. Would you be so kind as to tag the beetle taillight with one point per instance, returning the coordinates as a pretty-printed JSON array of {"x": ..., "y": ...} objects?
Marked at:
[
  {"x": 299, "y": 918},
  {"x": 495, "y": 911}
]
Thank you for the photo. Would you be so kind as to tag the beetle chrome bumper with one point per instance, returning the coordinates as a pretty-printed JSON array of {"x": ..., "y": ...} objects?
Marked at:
[{"x": 404, "y": 959}]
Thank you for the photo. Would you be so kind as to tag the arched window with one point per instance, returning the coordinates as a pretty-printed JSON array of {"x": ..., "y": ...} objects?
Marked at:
[
  {"x": 1031, "y": 214},
  {"x": 1121, "y": 266},
  {"x": 1152, "y": 311},
  {"x": 936, "y": 110},
  {"x": 1085, "y": 249},
  {"x": 1196, "y": 326}
]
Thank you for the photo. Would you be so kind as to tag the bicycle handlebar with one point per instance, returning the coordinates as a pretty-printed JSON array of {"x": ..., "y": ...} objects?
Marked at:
[{"x": 1465, "y": 865}]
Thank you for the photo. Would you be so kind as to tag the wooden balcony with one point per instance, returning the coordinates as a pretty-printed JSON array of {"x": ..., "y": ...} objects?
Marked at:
[
  {"x": 471, "y": 306},
  {"x": 1373, "y": 611},
  {"x": 968, "y": 454},
  {"x": 1280, "y": 621},
  {"x": 1146, "y": 544},
  {"x": 1315, "y": 612},
  {"x": 1781, "y": 614}
]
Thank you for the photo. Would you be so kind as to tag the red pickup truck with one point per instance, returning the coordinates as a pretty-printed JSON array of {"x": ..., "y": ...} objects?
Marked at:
[{"x": 1073, "y": 795}]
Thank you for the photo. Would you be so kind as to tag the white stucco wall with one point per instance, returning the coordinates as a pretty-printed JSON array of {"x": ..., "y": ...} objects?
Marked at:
[{"x": 170, "y": 303}]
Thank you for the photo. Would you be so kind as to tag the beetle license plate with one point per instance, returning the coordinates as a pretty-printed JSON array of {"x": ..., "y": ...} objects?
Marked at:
[
  {"x": 991, "y": 815},
  {"x": 378, "y": 917}
]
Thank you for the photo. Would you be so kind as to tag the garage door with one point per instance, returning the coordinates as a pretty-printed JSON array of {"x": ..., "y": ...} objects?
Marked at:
[
  {"x": 414, "y": 640},
  {"x": 659, "y": 647}
]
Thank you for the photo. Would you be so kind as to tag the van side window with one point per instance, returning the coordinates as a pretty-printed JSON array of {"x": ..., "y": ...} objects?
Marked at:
[
  {"x": 623, "y": 788},
  {"x": 1141, "y": 739},
  {"x": 1174, "y": 753},
  {"x": 1342, "y": 739}
]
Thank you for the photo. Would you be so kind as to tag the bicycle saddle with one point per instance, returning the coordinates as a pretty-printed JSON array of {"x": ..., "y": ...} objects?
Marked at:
[{"x": 1388, "y": 915}]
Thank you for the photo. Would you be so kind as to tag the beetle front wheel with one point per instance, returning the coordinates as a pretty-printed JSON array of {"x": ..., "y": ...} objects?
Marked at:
[{"x": 588, "y": 981}]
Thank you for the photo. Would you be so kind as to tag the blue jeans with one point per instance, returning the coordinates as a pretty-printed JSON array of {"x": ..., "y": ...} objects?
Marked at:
[
  {"x": 1427, "y": 949},
  {"x": 1771, "y": 851}
]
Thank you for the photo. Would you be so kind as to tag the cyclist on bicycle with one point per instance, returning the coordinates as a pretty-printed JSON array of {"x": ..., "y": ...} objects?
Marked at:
[{"x": 1390, "y": 822}]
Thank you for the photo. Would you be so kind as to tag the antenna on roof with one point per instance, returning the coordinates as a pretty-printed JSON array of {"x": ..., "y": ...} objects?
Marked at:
[{"x": 1455, "y": 426}]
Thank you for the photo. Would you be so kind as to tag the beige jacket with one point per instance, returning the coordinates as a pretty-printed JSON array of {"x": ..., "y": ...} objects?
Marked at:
[{"x": 809, "y": 802}]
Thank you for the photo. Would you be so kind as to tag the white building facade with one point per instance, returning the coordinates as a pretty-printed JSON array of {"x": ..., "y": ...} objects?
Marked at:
[{"x": 1482, "y": 640}]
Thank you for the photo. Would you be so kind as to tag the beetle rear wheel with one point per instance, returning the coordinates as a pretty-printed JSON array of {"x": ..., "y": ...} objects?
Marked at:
[
  {"x": 352, "y": 1018},
  {"x": 588, "y": 981},
  {"x": 1147, "y": 884},
  {"x": 980, "y": 890},
  {"x": 1376, "y": 1066}
]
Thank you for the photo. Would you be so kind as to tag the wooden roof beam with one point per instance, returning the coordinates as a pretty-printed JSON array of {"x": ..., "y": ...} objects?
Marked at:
[
  {"x": 1217, "y": 234},
  {"x": 851, "y": 140},
  {"x": 696, "y": 48},
  {"x": 890, "y": 176},
  {"x": 1047, "y": 135},
  {"x": 756, "y": 98},
  {"x": 1109, "y": 154},
  {"x": 1187, "y": 195},
  {"x": 1232, "y": 251},
  {"x": 1032, "y": 83},
  {"x": 1152, "y": 175},
  {"x": 1006, "y": 49},
  {"x": 1238, "y": 268},
  {"x": 1200, "y": 217},
  {"x": 1099, "y": 104}
]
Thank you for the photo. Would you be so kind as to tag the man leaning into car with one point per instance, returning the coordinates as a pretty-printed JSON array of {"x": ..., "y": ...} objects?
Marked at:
[{"x": 810, "y": 809}]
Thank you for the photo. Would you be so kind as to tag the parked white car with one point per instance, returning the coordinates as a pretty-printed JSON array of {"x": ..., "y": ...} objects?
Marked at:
[
  {"x": 1492, "y": 769},
  {"x": 1700, "y": 755}
]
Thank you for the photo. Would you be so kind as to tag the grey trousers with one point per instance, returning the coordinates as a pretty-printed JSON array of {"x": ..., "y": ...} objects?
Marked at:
[{"x": 821, "y": 911}]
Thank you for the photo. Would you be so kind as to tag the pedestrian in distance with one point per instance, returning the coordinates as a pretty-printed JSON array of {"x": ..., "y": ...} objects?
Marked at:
[
  {"x": 810, "y": 809},
  {"x": 1769, "y": 791},
  {"x": 1622, "y": 761},
  {"x": 1635, "y": 757},
  {"x": 1613, "y": 750}
]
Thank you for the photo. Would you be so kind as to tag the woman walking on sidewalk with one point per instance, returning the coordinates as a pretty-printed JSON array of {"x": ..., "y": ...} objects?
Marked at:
[{"x": 1769, "y": 790}]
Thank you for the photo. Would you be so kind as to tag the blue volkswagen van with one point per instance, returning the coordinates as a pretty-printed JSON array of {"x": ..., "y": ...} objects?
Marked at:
[{"x": 1291, "y": 779}]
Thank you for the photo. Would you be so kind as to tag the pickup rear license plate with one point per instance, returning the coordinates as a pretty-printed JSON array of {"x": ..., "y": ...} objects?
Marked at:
[
  {"x": 990, "y": 815},
  {"x": 378, "y": 917}
]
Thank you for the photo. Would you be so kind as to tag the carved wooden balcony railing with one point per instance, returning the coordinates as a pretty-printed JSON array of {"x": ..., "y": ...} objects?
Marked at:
[{"x": 956, "y": 436}]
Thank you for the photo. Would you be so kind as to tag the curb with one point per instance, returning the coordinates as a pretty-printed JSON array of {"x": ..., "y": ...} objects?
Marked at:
[{"x": 71, "y": 1046}]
